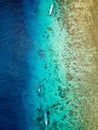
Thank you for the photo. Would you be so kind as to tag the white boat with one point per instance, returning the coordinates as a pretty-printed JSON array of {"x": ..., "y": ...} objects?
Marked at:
[
  {"x": 51, "y": 9},
  {"x": 45, "y": 118}
]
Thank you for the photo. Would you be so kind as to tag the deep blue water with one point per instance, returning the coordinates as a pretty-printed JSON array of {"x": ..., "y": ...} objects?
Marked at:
[{"x": 15, "y": 74}]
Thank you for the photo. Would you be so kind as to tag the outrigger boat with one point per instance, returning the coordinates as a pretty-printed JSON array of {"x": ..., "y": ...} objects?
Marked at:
[{"x": 51, "y": 9}]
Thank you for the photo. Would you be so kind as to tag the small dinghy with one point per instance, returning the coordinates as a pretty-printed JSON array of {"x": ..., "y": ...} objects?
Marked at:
[{"x": 51, "y": 9}]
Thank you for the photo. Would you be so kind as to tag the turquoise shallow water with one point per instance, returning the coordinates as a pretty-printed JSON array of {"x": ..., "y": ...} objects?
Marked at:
[{"x": 47, "y": 57}]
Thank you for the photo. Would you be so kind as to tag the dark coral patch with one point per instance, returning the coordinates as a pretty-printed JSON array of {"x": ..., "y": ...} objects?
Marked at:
[
  {"x": 62, "y": 92},
  {"x": 49, "y": 29},
  {"x": 69, "y": 76}
]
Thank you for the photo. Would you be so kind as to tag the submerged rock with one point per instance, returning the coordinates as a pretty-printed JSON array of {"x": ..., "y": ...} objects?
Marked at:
[
  {"x": 40, "y": 118},
  {"x": 62, "y": 92},
  {"x": 64, "y": 117},
  {"x": 71, "y": 112},
  {"x": 49, "y": 29},
  {"x": 67, "y": 102},
  {"x": 62, "y": 108},
  {"x": 69, "y": 76}
]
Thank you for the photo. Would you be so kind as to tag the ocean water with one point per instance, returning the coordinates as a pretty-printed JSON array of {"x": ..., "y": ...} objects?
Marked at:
[
  {"x": 15, "y": 73},
  {"x": 32, "y": 53},
  {"x": 39, "y": 52},
  {"x": 31, "y": 49}
]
